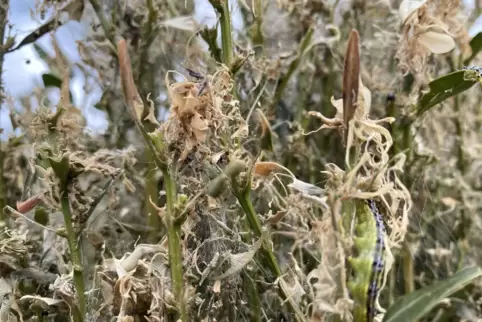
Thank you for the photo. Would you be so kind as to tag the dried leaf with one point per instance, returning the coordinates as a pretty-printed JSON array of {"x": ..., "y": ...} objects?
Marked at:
[
  {"x": 131, "y": 96},
  {"x": 239, "y": 261},
  {"x": 351, "y": 77},
  {"x": 437, "y": 43},
  {"x": 407, "y": 7},
  {"x": 47, "y": 300},
  {"x": 27, "y": 205},
  {"x": 199, "y": 127},
  {"x": 266, "y": 168},
  {"x": 186, "y": 23}
]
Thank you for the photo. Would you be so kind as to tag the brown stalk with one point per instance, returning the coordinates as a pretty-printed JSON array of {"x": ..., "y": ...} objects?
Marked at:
[
  {"x": 127, "y": 78},
  {"x": 351, "y": 75}
]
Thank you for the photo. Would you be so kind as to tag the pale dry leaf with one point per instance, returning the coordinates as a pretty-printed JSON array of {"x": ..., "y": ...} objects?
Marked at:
[
  {"x": 239, "y": 261},
  {"x": 47, "y": 300},
  {"x": 437, "y": 43},
  {"x": 407, "y": 7},
  {"x": 186, "y": 23}
]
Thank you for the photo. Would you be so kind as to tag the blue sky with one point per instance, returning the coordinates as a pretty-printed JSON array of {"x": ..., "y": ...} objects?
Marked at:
[{"x": 23, "y": 70}]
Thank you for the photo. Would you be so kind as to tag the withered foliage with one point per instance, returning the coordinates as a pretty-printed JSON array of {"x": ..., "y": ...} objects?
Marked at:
[{"x": 221, "y": 192}]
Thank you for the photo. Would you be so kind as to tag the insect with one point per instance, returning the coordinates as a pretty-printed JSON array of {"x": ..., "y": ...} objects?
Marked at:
[
  {"x": 378, "y": 264},
  {"x": 202, "y": 79},
  {"x": 473, "y": 73},
  {"x": 368, "y": 263},
  {"x": 474, "y": 68}
]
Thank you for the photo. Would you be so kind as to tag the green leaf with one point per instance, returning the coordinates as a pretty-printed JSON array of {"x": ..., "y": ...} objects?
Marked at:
[
  {"x": 209, "y": 35},
  {"x": 41, "y": 216},
  {"x": 443, "y": 88},
  {"x": 61, "y": 167},
  {"x": 415, "y": 305},
  {"x": 42, "y": 53},
  {"x": 51, "y": 80},
  {"x": 476, "y": 45}
]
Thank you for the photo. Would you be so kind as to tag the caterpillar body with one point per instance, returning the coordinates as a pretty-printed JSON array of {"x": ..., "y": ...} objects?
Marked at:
[{"x": 368, "y": 264}]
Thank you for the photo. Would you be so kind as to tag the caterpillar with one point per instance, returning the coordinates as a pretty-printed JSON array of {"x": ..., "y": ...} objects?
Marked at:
[{"x": 368, "y": 264}]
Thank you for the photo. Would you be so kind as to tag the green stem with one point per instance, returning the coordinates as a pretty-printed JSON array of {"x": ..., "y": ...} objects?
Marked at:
[
  {"x": 244, "y": 199},
  {"x": 105, "y": 24},
  {"x": 293, "y": 67},
  {"x": 151, "y": 193},
  {"x": 148, "y": 37},
  {"x": 391, "y": 287},
  {"x": 253, "y": 297},
  {"x": 174, "y": 234},
  {"x": 257, "y": 28},
  {"x": 74, "y": 252},
  {"x": 222, "y": 7},
  {"x": 408, "y": 269},
  {"x": 458, "y": 128},
  {"x": 226, "y": 34}
]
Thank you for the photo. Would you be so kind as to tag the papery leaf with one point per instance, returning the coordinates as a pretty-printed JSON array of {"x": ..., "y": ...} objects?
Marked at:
[
  {"x": 436, "y": 42},
  {"x": 186, "y": 23},
  {"x": 127, "y": 80},
  {"x": 25, "y": 206},
  {"x": 415, "y": 305},
  {"x": 266, "y": 132}
]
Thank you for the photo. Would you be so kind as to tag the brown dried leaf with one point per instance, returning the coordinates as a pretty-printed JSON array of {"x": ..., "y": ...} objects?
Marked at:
[
  {"x": 27, "y": 205},
  {"x": 276, "y": 218},
  {"x": 131, "y": 96},
  {"x": 351, "y": 76},
  {"x": 199, "y": 127},
  {"x": 265, "y": 127},
  {"x": 266, "y": 168}
]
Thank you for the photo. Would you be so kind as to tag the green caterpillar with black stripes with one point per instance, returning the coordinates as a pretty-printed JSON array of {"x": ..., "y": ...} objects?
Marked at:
[{"x": 367, "y": 265}]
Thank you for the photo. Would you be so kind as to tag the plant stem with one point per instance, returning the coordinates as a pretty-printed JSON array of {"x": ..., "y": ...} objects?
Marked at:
[
  {"x": 148, "y": 36},
  {"x": 408, "y": 269},
  {"x": 174, "y": 233},
  {"x": 105, "y": 24},
  {"x": 74, "y": 252},
  {"x": 293, "y": 66},
  {"x": 458, "y": 128},
  {"x": 151, "y": 193},
  {"x": 3, "y": 22},
  {"x": 244, "y": 199},
  {"x": 226, "y": 34},
  {"x": 391, "y": 287},
  {"x": 256, "y": 30},
  {"x": 3, "y": 197},
  {"x": 253, "y": 297},
  {"x": 222, "y": 7}
]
